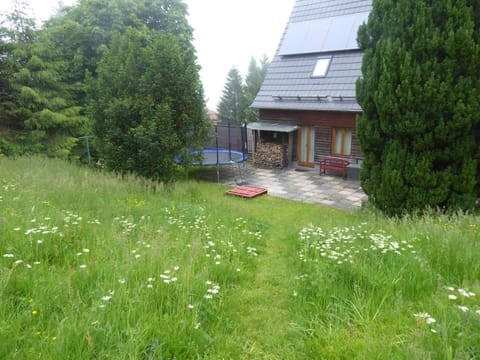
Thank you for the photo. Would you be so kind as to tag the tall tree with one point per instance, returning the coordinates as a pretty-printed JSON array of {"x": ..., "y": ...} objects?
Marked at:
[
  {"x": 419, "y": 94},
  {"x": 253, "y": 82},
  {"x": 83, "y": 32},
  {"x": 8, "y": 101},
  {"x": 232, "y": 103},
  {"x": 52, "y": 120},
  {"x": 46, "y": 118},
  {"x": 475, "y": 5},
  {"x": 147, "y": 103},
  {"x": 17, "y": 38},
  {"x": 50, "y": 81}
]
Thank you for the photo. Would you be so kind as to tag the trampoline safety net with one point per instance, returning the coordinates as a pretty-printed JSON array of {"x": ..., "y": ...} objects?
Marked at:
[{"x": 227, "y": 145}]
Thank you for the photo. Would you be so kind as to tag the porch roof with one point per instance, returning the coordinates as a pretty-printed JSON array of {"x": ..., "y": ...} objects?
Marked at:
[{"x": 271, "y": 126}]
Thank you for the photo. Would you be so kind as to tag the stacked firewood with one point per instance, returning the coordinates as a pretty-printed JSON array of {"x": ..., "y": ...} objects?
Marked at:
[{"x": 270, "y": 155}]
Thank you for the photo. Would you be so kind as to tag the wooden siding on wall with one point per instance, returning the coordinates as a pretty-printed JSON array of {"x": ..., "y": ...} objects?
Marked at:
[
  {"x": 323, "y": 121},
  {"x": 323, "y": 142},
  {"x": 310, "y": 118},
  {"x": 356, "y": 148}
]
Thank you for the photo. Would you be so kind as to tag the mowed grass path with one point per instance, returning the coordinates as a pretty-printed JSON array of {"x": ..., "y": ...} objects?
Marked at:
[
  {"x": 268, "y": 328},
  {"x": 266, "y": 318},
  {"x": 97, "y": 266},
  {"x": 261, "y": 306}
]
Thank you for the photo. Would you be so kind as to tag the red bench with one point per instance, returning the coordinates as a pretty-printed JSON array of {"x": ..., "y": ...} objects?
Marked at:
[{"x": 334, "y": 164}]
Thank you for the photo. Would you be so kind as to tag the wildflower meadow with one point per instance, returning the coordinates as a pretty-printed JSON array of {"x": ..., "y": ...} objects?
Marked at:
[{"x": 97, "y": 266}]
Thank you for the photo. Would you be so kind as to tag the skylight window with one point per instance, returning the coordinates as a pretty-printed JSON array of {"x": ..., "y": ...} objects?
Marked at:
[{"x": 321, "y": 67}]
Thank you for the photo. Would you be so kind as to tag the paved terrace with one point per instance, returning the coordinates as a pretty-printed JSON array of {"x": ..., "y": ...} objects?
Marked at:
[{"x": 298, "y": 185}]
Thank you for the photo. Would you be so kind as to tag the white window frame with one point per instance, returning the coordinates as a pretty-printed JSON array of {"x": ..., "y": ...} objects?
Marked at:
[
  {"x": 344, "y": 145},
  {"x": 321, "y": 67}
]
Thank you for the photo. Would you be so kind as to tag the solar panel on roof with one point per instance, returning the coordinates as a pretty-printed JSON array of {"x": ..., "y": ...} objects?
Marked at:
[{"x": 322, "y": 35}]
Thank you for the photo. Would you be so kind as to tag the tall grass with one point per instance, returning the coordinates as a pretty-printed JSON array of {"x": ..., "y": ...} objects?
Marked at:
[
  {"x": 391, "y": 289},
  {"x": 100, "y": 266}
]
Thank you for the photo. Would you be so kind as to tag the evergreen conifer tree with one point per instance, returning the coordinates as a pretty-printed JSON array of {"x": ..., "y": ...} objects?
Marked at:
[
  {"x": 253, "y": 82},
  {"x": 233, "y": 103},
  {"x": 419, "y": 94},
  {"x": 17, "y": 36},
  {"x": 9, "y": 120}
]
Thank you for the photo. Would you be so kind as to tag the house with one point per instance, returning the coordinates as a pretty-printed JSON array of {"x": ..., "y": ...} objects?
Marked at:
[
  {"x": 212, "y": 115},
  {"x": 307, "y": 101}
]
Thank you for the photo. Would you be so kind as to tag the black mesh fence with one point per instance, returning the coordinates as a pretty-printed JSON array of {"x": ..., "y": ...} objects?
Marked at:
[{"x": 231, "y": 137}]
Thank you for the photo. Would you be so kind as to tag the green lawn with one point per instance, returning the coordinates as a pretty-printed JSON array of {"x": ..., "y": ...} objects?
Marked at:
[{"x": 94, "y": 266}]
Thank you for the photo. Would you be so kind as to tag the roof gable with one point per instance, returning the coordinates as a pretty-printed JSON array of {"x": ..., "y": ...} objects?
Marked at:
[{"x": 316, "y": 29}]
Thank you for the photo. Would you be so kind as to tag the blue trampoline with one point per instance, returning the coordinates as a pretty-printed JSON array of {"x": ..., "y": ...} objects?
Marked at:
[
  {"x": 211, "y": 157},
  {"x": 228, "y": 146}
]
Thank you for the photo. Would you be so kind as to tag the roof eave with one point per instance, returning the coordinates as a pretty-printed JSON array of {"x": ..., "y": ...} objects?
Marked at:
[{"x": 296, "y": 106}]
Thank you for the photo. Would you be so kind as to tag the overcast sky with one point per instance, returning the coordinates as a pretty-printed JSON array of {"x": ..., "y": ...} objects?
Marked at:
[{"x": 227, "y": 33}]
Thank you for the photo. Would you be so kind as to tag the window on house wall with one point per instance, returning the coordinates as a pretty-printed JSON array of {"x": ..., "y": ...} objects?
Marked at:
[
  {"x": 342, "y": 141},
  {"x": 321, "y": 67}
]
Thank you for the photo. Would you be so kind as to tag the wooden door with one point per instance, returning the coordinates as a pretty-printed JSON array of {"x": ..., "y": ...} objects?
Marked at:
[{"x": 306, "y": 146}]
